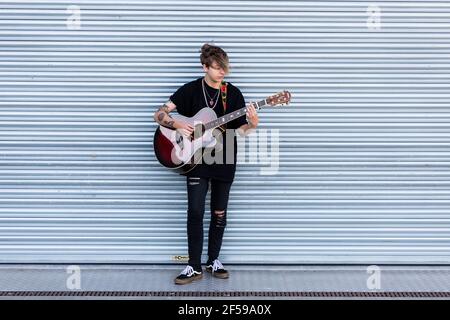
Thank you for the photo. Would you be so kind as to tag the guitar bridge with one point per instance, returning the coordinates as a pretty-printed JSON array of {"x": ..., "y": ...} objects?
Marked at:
[{"x": 179, "y": 139}]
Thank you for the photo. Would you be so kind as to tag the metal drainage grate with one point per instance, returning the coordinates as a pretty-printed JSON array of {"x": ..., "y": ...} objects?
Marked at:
[{"x": 330, "y": 294}]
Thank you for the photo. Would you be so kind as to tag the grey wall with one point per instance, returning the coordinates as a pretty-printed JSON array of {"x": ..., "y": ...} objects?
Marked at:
[{"x": 363, "y": 148}]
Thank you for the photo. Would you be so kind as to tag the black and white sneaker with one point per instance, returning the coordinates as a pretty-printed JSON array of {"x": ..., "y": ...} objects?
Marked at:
[
  {"x": 188, "y": 275},
  {"x": 217, "y": 270}
]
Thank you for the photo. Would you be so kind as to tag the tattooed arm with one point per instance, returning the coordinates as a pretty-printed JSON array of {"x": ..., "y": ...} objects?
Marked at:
[{"x": 162, "y": 116}]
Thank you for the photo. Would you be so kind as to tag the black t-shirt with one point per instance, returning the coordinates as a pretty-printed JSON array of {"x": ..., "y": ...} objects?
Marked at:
[{"x": 190, "y": 99}]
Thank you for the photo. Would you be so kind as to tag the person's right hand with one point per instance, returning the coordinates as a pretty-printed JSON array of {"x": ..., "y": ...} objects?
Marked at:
[{"x": 185, "y": 128}]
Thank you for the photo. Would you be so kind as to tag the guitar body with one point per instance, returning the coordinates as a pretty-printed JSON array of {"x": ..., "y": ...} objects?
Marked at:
[{"x": 181, "y": 153}]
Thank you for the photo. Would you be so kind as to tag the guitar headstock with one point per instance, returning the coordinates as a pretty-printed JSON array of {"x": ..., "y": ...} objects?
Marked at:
[{"x": 279, "y": 99}]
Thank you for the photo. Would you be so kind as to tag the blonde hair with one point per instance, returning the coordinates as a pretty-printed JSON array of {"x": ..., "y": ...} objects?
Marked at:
[{"x": 211, "y": 53}]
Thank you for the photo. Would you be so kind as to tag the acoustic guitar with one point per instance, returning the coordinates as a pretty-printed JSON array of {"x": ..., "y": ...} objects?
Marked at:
[{"x": 181, "y": 154}]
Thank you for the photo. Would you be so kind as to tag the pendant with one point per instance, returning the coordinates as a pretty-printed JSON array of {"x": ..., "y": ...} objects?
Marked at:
[{"x": 211, "y": 102}]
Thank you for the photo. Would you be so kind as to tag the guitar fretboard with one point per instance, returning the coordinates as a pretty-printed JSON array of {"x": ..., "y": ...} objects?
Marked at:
[{"x": 232, "y": 115}]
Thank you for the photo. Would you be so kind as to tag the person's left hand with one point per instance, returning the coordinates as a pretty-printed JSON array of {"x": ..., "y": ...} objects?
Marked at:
[{"x": 252, "y": 115}]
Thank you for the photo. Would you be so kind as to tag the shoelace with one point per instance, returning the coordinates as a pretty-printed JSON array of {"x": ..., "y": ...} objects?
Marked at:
[
  {"x": 188, "y": 271},
  {"x": 217, "y": 265}
]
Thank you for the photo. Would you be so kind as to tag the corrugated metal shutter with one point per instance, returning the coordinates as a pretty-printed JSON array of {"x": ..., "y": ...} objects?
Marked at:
[{"x": 364, "y": 153}]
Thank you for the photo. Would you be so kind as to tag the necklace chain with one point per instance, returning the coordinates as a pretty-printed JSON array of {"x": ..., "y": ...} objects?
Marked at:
[
  {"x": 211, "y": 99},
  {"x": 217, "y": 92}
]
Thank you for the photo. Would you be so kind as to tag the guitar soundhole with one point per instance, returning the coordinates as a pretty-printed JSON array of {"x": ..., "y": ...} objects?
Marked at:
[{"x": 199, "y": 130}]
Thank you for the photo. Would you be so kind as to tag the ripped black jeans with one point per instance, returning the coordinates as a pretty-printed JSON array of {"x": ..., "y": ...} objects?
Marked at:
[{"x": 197, "y": 188}]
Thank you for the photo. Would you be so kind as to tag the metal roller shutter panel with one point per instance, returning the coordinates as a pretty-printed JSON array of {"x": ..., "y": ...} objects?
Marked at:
[{"x": 363, "y": 148}]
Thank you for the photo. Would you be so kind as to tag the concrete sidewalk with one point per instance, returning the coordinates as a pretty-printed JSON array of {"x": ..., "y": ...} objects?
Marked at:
[{"x": 245, "y": 282}]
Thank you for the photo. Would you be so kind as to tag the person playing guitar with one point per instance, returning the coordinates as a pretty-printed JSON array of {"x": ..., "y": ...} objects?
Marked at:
[{"x": 209, "y": 91}]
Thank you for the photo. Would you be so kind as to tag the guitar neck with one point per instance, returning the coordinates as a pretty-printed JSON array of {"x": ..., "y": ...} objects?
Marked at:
[{"x": 233, "y": 115}]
